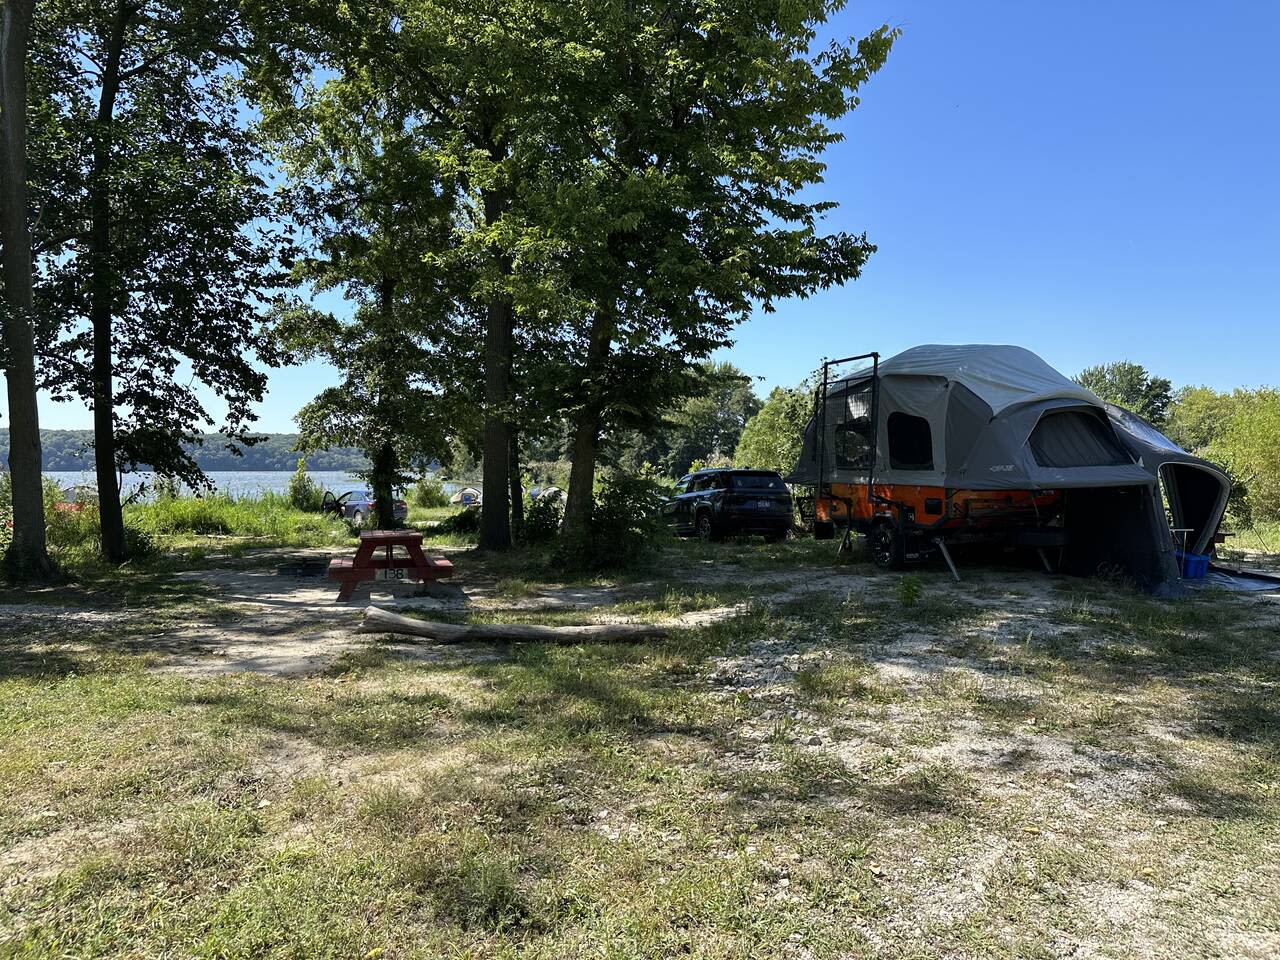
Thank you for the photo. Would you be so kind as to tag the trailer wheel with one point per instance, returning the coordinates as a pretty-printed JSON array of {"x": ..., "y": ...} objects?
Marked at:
[{"x": 887, "y": 549}]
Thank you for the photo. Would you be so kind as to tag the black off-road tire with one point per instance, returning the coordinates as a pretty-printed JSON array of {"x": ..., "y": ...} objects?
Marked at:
[
  {"x": 704, "y": 526},
  {"x": 887, "y": 550}
]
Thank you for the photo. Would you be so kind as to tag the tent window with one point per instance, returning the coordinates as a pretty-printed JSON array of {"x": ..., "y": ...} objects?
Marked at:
[
  {"x": 910, "y": 442},
  {"x": 853, "y": 433},
  {"x": 1075, "y": 438}
]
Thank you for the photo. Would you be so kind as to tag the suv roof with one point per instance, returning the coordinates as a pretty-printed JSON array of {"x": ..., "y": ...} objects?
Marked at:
[{"x": 694, "y": 473}]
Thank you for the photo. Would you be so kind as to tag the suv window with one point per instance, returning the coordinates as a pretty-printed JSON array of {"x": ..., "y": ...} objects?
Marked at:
[
  {"x": 756, "y": 481},
  {"x": 707, "y": 481},
  {"x": 682, "y": 486}
]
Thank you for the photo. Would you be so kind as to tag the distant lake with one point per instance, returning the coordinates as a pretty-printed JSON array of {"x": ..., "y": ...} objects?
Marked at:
[{"x": 237, "y": 483}]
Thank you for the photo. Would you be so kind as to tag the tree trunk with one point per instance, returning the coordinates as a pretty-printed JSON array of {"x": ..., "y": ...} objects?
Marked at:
[
  {"x": 384, "y": 462},
  {"x": 385, "y": 466},
  {"x": 495, "y": 519},
  {"x": 101, "y": 300},
  {"x": 586, "y": 429},
  {"x": 27, "y": 556},
  {"x": 377, "y": 620},
  {"x": 517, "y": 490}
]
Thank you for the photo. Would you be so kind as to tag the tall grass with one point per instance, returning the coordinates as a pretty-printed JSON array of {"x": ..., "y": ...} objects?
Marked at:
[{"x": 270, "y": 517}]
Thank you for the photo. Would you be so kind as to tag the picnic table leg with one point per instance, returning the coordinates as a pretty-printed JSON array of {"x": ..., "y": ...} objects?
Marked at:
[
  {"x": 420, "y": 558},
  {"x": 364, "y": 553}
]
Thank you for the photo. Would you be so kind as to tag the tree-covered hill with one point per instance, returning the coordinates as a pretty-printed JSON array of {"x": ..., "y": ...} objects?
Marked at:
[{"x": 72, "y": 450}]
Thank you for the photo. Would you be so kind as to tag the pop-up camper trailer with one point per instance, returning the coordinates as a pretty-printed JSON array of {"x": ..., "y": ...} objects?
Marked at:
[{"x": 942, "y": 445}]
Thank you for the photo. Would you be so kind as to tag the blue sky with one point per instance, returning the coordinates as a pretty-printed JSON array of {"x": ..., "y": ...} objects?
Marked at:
[{"x": 1094, "y": 181}]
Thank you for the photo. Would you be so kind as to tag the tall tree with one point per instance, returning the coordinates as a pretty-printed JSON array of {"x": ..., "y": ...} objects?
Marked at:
[
  {"x": 708, "y": 424},
  {"x": 1198, "y": 417},
  {"x": 478, "y": 82},
  {"x": 1248, "y": 445},
  {"x": 160, "y": 256},
  {"x": 772, "y": 438},
  {"x": 27, "y": 556},
  {"x": 709, "y": 120},
  {"x": 378, "y": 217},
  {"x": 1129, "y": 385}
]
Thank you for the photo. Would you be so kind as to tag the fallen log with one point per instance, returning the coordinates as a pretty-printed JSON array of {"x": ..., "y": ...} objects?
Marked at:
[{"x": 377, "y": 620}]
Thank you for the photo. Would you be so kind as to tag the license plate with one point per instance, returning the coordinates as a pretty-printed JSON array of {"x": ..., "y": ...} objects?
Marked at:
[
  {"x": 395, "y": 573},
  {"x": 763, "y": 504}
]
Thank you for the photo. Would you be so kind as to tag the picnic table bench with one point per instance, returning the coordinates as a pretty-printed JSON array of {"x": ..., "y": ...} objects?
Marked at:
[{"x": 365, "y": 565}]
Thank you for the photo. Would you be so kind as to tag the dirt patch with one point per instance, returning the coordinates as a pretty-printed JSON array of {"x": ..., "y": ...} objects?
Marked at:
[
  {"x": 1001, "y": 758},
  {"x": 42, "y": 856}
]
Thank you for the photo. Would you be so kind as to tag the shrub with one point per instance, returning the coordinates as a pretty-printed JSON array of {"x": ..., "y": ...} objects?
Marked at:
[
  {"x": 625, "y": 524},
  {"x": 75, "y": 536},
  {"x": 6, "y": 509},
  {"x": 468, "y": 521},
  {"x": 908, "y": 589},
  {"x": 303, "y": 492},
  {"x": 428, "y": 492},
  {"x": 542, "y": 518},
  {"x": 52, "y": 497}
]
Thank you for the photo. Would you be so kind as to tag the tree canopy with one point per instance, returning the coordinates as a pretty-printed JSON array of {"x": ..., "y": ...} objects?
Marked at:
[
  {"x": 156, "y": 248},
  {"x": 543, "y": 217},
  {"x": 1129, "y": 385},
  {"x": 703, "y": 427},
  {"x": 772, "y": 438}
]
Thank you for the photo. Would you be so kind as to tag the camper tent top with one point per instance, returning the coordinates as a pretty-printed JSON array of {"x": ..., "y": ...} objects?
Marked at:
[{"x": 942, "y": 444}]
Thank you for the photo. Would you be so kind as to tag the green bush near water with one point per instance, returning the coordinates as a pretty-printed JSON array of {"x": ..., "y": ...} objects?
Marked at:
[
  {"x": 428, "y": 492},
  {"x": 304, "y": 493},
  {"x": 73, "y": 532}
]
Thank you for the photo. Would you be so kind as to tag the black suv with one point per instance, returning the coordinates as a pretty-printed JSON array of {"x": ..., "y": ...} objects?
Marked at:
[{"x": 716, "y": 503}]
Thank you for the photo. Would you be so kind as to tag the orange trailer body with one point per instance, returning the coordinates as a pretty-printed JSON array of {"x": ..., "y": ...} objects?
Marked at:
[{"x": 935, "y": 507}]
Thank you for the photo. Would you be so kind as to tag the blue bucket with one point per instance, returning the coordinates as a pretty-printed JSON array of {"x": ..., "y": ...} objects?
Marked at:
[{"x": 1192, "y": 566}]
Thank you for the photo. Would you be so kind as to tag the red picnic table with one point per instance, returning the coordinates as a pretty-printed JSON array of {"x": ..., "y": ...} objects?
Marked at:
[{"x": 365, "y": 566}]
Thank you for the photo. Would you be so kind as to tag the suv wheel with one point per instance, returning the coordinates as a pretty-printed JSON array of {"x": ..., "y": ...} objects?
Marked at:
[{"x": 706, "y": 527}]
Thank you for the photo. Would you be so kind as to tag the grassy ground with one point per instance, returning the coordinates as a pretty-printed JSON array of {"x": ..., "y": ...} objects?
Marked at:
[
  {"x": 190, "y": 532},
  {"x": 1259, "y": 542},
  {"x": 1016, "y": 768}
]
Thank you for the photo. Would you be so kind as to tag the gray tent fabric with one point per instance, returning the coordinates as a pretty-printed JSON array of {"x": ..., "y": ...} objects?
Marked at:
[
  {"x": 982, "y": 405},
  {"x": 1000, "y": 375},
  {"x": 1076, "y": 438},
  {"x": 1195, "y": 490}
]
